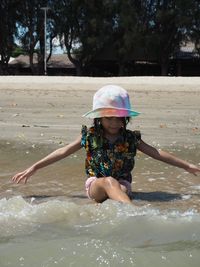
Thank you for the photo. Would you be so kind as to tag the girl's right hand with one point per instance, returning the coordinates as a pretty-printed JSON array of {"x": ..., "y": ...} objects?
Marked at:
[{"x": 23, "y": 176}]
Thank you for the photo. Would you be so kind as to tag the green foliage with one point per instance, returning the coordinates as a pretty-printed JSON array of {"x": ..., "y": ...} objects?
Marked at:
[
  {"x": 8, "y": 17},
  {"x": 17, "y": 51},
  {"x": 122, "y": 30}
]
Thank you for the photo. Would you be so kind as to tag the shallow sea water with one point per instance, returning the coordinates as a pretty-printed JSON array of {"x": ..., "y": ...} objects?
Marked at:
[{"x": 50, "y": 222}]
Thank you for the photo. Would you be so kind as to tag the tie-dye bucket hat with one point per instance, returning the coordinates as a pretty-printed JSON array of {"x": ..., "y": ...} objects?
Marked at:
[{"x": 111, "y": 101}]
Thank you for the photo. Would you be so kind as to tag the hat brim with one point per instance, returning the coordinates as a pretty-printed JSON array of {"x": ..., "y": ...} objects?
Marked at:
[{"x": 110, "y": 112}]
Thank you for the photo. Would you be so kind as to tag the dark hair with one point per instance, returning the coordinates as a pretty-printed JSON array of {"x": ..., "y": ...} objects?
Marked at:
[{"x": 98, "y": 126}]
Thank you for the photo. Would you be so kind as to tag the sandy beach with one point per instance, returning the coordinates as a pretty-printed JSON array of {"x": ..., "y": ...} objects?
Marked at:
[{"x": 48, "y": 110}]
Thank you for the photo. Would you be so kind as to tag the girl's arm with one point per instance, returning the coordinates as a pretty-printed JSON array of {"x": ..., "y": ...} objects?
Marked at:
[
  {"x": 167, "y": 158},
  {"x": 50, "y": 159}
]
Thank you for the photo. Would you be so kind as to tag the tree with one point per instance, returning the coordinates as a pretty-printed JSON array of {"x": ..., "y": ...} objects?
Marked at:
[
  {"x": 31, "y": 33},
  {"x": 8, "y": 15},
  {"x": 127, "y": 32},
  {"x": 195, "y": 24},
  {"x": 65, "y": 16},
  {"x": 90, "y": 28},
  {"x": 167, "y": 29},
  {"x": 82, "y": 26}
]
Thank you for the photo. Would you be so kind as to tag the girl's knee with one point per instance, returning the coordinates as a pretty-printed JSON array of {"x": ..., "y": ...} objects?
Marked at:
[
  {"x": 110, "y": 181},
  {"x": 123, "y": 188}
]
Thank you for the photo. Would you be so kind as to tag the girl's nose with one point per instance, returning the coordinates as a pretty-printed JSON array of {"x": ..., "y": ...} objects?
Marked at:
[{"x": 115, "y": 120}]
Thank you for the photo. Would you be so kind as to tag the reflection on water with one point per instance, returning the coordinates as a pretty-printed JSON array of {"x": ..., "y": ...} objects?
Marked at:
[{"x": 50, "y": 222}]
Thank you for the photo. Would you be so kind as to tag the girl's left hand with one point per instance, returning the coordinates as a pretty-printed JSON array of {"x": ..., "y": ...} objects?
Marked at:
[{"x": 193, "y": 169}]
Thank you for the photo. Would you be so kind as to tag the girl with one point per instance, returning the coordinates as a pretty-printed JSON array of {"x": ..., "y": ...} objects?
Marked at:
[{"x": 110, "y": 148}]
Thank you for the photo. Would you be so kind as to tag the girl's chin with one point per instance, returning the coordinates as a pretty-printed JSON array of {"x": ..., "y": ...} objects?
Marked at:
[{"x": 113, "y": 131}]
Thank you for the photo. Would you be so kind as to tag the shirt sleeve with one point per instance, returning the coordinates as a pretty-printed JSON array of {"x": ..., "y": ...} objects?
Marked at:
[{"x": 137, "y": 137}]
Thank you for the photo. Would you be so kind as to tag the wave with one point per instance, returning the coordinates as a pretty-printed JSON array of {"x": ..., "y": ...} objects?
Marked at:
[{"x": 17, "y": 217}]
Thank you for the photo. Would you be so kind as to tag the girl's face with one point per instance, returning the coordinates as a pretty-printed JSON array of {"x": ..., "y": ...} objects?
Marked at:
[{"x": 112, "y": 125}]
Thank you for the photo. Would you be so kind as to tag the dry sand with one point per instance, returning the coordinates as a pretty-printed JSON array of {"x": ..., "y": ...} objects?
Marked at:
[{"x": 48, "y": 110}]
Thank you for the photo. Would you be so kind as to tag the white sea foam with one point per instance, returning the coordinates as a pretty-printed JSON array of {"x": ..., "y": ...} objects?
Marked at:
[
  {"x": 61, "y": 233},
  {"x": 17, "y": 216}
]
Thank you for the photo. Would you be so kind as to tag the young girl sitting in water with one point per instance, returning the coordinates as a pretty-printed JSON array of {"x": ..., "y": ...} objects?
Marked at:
[{"x": 110, "y": 148}]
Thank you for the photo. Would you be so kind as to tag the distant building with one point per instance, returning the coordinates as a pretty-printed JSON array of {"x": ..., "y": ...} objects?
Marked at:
[
  {"x": 186, "y": 61},
  {"x": 57, "y": 65}
]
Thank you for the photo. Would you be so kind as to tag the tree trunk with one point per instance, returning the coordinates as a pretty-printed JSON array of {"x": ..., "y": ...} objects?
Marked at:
[
  {"x": 164, "y": 70},
  {"x": 77, "y": 63},
  {"x": 1, "y": 71},
  {"x": 121, "y": 69},
  {"x": 78, "y": 69},
  {"x": 31, "y": 63},
  {"x": 164, "y": 66}
]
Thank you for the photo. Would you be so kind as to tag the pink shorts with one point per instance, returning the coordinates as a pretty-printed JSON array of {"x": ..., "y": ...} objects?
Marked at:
[{"x": 90, "y": 180}]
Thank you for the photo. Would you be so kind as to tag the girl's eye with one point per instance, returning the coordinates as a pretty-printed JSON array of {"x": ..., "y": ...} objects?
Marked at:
[{"x": 118, "y": 119}]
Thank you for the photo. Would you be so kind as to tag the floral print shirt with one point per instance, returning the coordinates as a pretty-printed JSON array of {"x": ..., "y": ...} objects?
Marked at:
[{"x": 104, "y": 158}]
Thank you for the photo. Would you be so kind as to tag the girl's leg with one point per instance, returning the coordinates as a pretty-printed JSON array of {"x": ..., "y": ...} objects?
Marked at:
[{"x": 108, "y": 187}]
